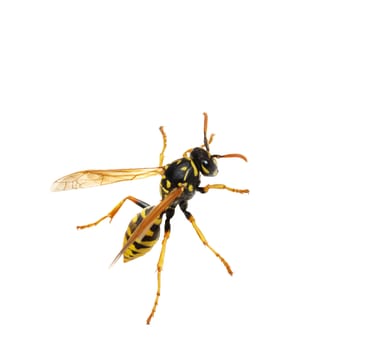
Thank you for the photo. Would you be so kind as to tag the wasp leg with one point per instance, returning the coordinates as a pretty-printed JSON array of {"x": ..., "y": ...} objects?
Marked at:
[
  {"x": 167, "y": 231},
  {"x": 191, "y": 219},
  {"x": 163, "y": 134},
  {"x": 139, "y": 202},
  {"x": 114, "y": 211},
  {"x": 205, "y": 189}
]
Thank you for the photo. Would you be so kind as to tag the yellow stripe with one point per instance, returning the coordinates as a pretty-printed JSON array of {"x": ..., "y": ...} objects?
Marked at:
[{"x": 195, "y": 170}]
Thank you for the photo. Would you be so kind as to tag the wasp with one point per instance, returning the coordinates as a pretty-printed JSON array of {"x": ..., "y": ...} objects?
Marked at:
[{"x": 180, "y": 180}]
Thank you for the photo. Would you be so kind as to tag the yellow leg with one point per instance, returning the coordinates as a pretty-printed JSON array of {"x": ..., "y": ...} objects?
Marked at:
[
  {"x": 191, "y": 219},
  {"x": 110, "y": 215},
  {"x": 159, "y": 269},
  {"x": 167, "y": 231},
  {"x": 220, "y": 187},
  {"x": 164, "y": 146}
]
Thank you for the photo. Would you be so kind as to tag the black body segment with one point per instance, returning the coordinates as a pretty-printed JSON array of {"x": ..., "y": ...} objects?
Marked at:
[{"x": 182, "y": 172}]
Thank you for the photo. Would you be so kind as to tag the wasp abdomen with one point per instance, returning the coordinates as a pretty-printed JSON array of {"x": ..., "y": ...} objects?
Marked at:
[{"x": 143, "y": 245}]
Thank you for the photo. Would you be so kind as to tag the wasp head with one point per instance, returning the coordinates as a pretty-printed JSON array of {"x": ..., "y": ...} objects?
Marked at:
[{"x": 205, "y": 163}]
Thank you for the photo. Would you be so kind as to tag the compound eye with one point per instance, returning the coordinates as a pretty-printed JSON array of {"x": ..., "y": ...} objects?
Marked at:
[
  {"x": 209, "y": 167},
  {"x": 205, "y": 163}
]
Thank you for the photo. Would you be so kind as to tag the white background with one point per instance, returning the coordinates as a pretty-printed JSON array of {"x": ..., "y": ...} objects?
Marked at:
[{"x": 296, "y": 86}]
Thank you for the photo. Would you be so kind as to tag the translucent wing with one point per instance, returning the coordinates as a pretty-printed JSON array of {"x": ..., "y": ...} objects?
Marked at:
[
  {"x": 148, "y": 221},
  {"x": 90, "y": 178}
]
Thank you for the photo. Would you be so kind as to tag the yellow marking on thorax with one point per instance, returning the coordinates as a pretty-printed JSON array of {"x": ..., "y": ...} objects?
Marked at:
[
  {"x": 195, "y": 170},
  {"x": 186, "y": 173}
]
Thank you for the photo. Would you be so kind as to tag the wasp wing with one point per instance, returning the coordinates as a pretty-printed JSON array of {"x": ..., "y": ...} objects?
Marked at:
[
  {"x": 148, "y": 221},
  {"x": 90, "y": 178}
]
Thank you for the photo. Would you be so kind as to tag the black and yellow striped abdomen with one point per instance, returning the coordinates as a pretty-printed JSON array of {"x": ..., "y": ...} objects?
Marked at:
[{"x": 144, "y": 245}]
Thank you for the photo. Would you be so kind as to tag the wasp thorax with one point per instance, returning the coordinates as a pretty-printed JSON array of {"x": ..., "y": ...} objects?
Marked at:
[{"x": 204, "y": 161}]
